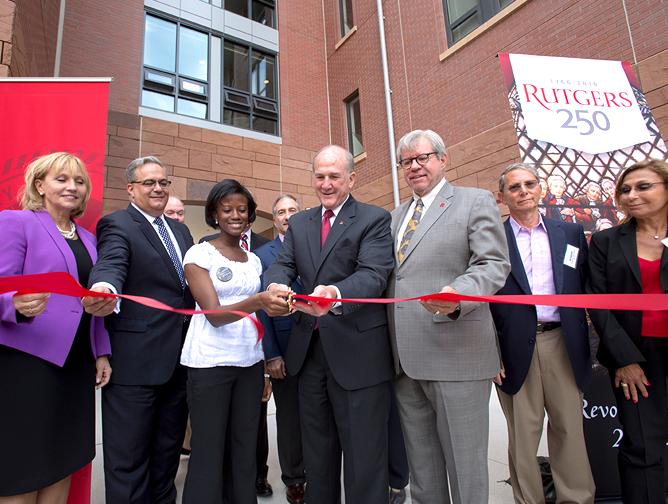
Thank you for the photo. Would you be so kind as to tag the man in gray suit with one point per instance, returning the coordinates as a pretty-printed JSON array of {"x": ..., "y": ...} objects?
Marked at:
[{"x": 447, "y": 239}]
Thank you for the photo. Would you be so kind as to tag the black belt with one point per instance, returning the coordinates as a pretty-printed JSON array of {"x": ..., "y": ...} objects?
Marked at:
[{"x": 547, "y": 326}]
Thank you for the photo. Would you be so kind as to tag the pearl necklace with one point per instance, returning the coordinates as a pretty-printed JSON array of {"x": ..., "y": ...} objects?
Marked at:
[
  {"x": 68, "y": 235},
  {"x": 656, "y": 237}
]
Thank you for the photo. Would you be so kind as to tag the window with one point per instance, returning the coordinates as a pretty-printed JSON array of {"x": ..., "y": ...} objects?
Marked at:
[
  {"x": 355, "y": 144},
  {"x": 249, "y": 79},
  {"x": 176, "y": 77},
  {"x": 176, "y": 70},
  {"x": 347, "y": 23},
  {"x": 464, "y": 16},
  {"x": 260, "y": 11}
]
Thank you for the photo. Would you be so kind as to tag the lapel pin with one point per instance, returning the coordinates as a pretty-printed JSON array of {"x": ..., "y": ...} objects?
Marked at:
[
  {"x": 442, "y": 204},
  {"x": 341, "y": 222}
]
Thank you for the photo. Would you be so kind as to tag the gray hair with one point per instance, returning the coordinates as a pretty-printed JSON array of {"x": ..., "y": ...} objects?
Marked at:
[
  {"x": 410, "y": 140},
  {"x": 282, "y": 197},
  {"x": 348, "y": 157},
  {"x": 131, "y": 170},
  {"x": 517, "y": 166}
]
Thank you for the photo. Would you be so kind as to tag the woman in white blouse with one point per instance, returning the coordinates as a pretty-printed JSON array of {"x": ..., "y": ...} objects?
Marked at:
[{"x": 224, "y": 359}]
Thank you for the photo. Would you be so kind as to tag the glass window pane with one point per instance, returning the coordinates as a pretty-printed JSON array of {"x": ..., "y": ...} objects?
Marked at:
[
  {"x": 264, "y": 14},
  {"x": 157, "y": 100},
  {"x": 347, "y": 15},
  {"x": 193, "y": 87},
  {"x": 457, "y": 8},
  {"x": 264, "y": 125},
  {"x": 505, "y": 3},
  {"x": 465, "y": 28},
  {"x": 191, "y": 108},
  {"x": 193, "y": 54},
  {"x": 238, "y": 119},
  {"x": 355, "y": 126},
  {"x": 167, "y": 80},
  {"x": 237, "y": 6},
  {"x": 235, "y": 63},
  {"x": 160, "y": 44},
  {"x": 263, "y": 75}
]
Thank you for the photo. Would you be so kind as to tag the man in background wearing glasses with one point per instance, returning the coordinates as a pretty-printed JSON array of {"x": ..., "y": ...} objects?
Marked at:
[
  {"x": 447, "y": 239},
  {"x": 545, "y": 349},
  {"x": 144, "y": 412}
]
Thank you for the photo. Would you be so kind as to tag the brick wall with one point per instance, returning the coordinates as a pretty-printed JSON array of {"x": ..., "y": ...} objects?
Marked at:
[
  {"x": 197, "y": 158},
  {"x": 104, "y": 39},
  {"x": 28, "y": 37}
]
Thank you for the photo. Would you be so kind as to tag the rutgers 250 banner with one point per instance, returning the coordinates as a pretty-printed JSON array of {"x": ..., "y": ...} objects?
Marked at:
[
  {"x": 41, "y": 116},
  {"x": 581, "y": 122}
]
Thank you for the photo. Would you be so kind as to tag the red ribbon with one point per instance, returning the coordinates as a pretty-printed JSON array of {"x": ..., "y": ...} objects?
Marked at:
[
  {"x": 63, "y": 283},
  {"x": 597, "y": 301}
]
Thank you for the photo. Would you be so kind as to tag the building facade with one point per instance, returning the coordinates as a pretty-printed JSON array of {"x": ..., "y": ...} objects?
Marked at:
[{"x": 251, "y": 89}]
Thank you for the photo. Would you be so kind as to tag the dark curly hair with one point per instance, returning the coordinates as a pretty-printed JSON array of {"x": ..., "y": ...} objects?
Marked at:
[{"x": 222, "y": 190}]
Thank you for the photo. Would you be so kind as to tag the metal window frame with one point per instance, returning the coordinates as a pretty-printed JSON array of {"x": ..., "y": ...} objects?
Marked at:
[
  {"x": 486, "y": 9},
  {"x": 348, "y": 101}
]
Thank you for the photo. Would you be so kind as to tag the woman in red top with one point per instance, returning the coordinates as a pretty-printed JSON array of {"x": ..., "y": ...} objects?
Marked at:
[{"x": 632, "y": 258}]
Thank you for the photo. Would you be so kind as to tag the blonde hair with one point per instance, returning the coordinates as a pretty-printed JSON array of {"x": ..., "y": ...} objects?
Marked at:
[
  {"x": 57, "y": 162},
  {"x": 656, "y": 165}
]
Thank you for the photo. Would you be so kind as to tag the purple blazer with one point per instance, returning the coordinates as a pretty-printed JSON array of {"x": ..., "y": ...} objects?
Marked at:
[{"x": 31, "y": 243}]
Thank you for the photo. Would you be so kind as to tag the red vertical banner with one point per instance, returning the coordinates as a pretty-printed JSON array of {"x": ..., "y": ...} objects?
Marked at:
[{"x": 41, "y": 116}]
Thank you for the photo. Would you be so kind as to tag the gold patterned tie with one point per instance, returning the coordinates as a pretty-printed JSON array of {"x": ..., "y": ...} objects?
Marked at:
[{"x": 410, "y": 229}]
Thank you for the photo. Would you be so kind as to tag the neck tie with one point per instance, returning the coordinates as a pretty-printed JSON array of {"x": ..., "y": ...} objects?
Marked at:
[
  {"x": 174, "y": 256},
  {"x": 410, "y": 229},
  {"x": 244, "y": 241},
  {"x": 326, "y": 226}
]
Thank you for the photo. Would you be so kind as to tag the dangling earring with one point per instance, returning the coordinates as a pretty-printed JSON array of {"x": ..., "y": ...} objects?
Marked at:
[{"x": 216, "y": 223}]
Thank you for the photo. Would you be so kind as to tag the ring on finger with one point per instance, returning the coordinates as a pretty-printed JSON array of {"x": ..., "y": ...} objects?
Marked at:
[
  {"x": 30, "y": 311},
  {"x": 625, "y": 385}
]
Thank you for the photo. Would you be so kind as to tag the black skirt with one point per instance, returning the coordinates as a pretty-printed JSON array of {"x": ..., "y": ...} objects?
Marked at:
[{"x": 47, "y": 413}]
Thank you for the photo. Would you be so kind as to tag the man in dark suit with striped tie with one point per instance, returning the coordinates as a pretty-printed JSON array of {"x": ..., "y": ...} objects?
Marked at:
[{"x": 144, "y": 410}]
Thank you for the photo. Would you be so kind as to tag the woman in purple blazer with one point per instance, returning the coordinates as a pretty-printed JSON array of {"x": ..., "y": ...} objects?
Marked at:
[{"x": 50, "y": 349}]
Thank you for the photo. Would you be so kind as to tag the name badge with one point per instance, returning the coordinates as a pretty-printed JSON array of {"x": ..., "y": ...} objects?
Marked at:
[
  {"x": 571, "y": 257},
  {"x": 224, "y": 274}
]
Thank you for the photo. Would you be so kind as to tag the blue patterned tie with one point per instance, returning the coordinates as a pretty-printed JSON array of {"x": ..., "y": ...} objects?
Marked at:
[{"x": 162, "y": 229}]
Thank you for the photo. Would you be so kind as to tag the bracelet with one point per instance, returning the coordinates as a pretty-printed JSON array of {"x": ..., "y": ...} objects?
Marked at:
[{"x": 266, "y": 375}]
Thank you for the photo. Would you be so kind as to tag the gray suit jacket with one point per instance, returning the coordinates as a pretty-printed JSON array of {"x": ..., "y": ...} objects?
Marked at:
[{"x": 459, "y": 242}]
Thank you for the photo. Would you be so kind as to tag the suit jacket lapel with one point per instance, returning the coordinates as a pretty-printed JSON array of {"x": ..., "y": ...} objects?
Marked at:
[
  {"x": 45, "y": 218},
  {"x": 440, "y": 204},
  {"x": 557, "y": 238},
  {"x": 152, "y": 236},
  {"x": 341, "y": 222},
  {"x": 313, "y": 235},
  {"x": 627, "y": 242},
  {"x": 517, "y": 266}
]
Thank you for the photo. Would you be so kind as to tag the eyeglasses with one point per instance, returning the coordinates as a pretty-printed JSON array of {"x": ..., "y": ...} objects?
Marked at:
[
  {"x": 150, "y": 183},
  {"x": 626, "y": 190},
  {"x": 422, "y": 160},
  {"x": 529, "y": 184}
]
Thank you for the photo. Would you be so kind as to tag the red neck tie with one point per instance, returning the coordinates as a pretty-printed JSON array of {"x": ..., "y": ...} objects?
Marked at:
[
  {"x": 244, "y": 241},
  {"x": 326, "y": 226}
]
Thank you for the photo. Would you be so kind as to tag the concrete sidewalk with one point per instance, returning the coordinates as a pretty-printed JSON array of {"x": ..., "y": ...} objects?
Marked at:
[{"x": 500, "y": 492}]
